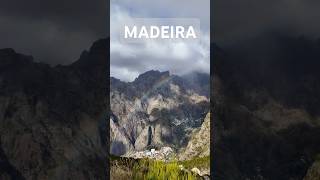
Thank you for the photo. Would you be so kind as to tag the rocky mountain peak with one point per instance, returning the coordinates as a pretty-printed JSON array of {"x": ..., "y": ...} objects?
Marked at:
[
  {"x": 157, "y": 109},
  {"x": 52, "y": 119},
  {"x": 149, "y": 78},
  {"x": 154, "y": 74},
  {"x": 9, "y": 57},
  {"x": 100, "y": 45},
  {"x": 92, "y": 60},
  {"x": 7, "y": 51}
]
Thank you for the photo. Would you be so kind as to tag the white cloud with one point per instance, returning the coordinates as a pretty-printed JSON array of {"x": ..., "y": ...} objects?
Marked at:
[{"x": 128, "y": 60}]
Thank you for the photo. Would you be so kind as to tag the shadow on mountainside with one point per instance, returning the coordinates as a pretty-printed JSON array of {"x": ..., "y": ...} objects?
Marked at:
[{"x": 53, "y": 119}]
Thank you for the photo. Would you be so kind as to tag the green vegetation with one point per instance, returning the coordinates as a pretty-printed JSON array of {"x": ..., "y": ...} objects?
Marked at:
[
  {"x": 148, "y": 169},
  {"x": 154, "y": 170},
  {"x": 199, "y": 162}
]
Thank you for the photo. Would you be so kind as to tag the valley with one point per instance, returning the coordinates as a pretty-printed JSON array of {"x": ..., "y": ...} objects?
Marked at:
[{"x": 163, "y": 119}]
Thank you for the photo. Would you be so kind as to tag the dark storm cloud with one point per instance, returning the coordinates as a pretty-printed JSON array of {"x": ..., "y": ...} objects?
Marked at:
[
  {"x": 53, "y": 31},
  {"x": 239, "y": 19}
]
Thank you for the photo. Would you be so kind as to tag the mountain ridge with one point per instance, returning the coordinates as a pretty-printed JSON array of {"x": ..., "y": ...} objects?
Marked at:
[
  {"x": 265, "y": 105},
  {"x": 48, "y": 130},
  {"x": 149, "y": 107}
]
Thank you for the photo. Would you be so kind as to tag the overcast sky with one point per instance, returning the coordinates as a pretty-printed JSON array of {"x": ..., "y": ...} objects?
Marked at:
[
  {"x": 57, "y": 31},
  {"x": 236, "y": 20},
  {"x": 128, "y": 60},
  {"x": 52, "y": 31}
]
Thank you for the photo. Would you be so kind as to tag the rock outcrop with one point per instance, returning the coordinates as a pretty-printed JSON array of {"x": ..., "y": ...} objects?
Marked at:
[
  {"x": 313, "y": 172},
  {"x": 266, "y": 108},
  {"x": 155, "y": 110},
  {"x": 53, "y": 119},
  {"x": 199, "y": 143}
]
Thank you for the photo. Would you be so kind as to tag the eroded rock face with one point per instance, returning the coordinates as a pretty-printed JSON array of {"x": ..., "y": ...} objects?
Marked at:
[
  {"x": 199, "y": 143},
  {"x": 156, "y": 109},
  {"x": 266, "y": 112},
  {"x": 313, "y": 172},
  {"x": 52, "y": 119}
]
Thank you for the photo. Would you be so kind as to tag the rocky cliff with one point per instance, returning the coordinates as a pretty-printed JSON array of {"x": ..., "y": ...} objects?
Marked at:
[
  {"x": 313, "y": 172},
  {"x": 156, "y": 109},
  {"x": 266, "y": 107},
  {"x": 53, "y": 119},
  {"x": 199, "y": 143}
]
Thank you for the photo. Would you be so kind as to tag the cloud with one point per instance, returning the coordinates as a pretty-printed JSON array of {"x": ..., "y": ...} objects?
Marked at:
[
  {"x": 236, "y": 20},
  {"x": 167, "y": 8},
  {"x": 128, "y": 60},
  {"x": 56, "y": 31},
  {"x": 53, "y": 31}
]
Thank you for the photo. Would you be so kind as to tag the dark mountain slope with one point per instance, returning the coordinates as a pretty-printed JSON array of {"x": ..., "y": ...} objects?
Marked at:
[
  {"x": 266, "y": 103},
  {"x": 53, "y": 119}
]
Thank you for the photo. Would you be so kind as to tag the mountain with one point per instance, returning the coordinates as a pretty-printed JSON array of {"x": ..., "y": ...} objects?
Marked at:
[
  {"x": 313, "y": 172},
  {"x": 266, "y": 99},
  {"x": 53, "y": 119},
  {"x": 199, "y": 143},
  {"x": 156, "y": 109}
]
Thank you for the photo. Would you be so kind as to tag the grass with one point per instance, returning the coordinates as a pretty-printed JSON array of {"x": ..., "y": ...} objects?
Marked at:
[
  {"x": 200, "y": 162},
  {"x": 153, "y": 170},
  {"x": 148, "y": 169}
]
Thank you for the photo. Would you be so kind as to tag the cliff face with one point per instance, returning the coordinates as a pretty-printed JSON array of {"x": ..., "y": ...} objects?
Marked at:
[
  {"x": 266, "y": 113},
  {"x": 199, "y": 143},
  {"x": 313, "y": 172},
  {"x": 156, "y": 109},
  {"x": 52, "y": 119}
]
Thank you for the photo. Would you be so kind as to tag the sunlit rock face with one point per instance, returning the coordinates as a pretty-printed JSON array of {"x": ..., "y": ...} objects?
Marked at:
[
  {"x": 155, "y": 110},
  {"x": 199, "y": 143}
]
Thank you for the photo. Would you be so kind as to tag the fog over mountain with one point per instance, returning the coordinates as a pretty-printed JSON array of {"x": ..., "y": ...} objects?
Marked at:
[{"x": 128, "y": 60}]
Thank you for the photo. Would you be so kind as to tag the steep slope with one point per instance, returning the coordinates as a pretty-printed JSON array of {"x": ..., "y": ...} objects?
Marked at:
[
  {"x": 266, "y": 95},
  {"x": 156, "y": 109},
  {"x": 52, "y": 119},
  {"x": 313, "y": 172},
  {"x": 199, "y": 143}
]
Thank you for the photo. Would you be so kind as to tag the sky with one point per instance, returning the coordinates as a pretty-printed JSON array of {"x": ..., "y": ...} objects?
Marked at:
[
  {"x": 57, "y": 31},
  {"x": 52, "y": 31},
  {"x": 237, "y": 20},
  {"x": 128, "y": 60}
]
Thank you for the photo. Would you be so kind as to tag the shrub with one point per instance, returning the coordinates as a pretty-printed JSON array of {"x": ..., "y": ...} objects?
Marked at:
[
  {"x": 200, "y": 162},
  {"x": 155, "y": 170}
]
